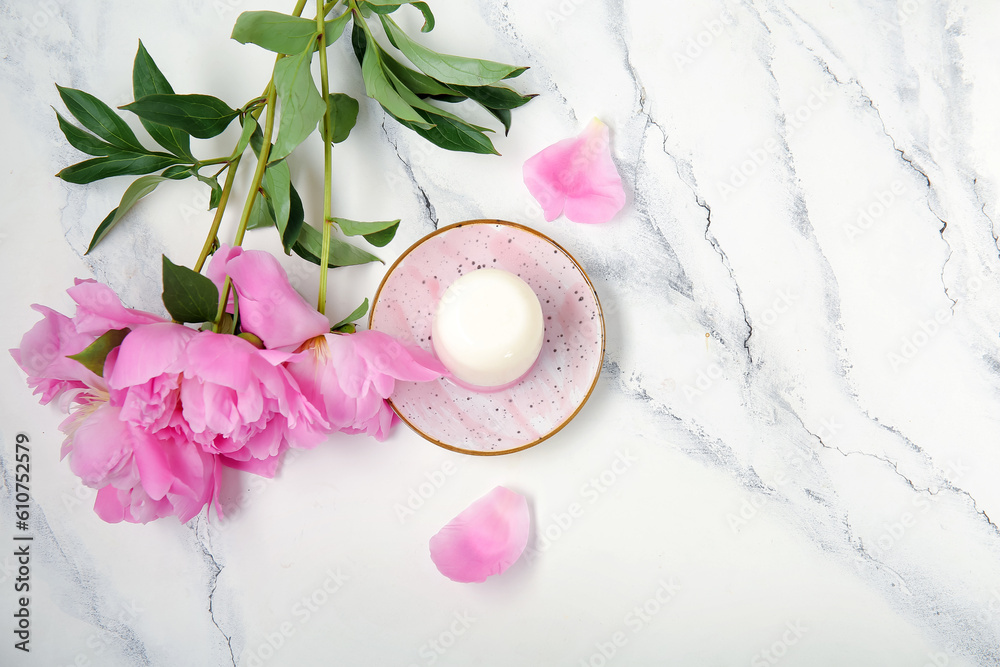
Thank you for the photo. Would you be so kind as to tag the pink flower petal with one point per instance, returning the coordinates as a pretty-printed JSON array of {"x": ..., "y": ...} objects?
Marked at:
[
  {"x": 577, "y": 177},
  {"x": 110, "y": 504},
  {"x": 99, "y": 309},
  {"x": 43, "y": 353},
  {"x": 263, "y": 467},
  {"x": 485, "y": 539},
  {"x": 216, "y": 270},
  {"x": 348, "y": 377},
  {"x": 270, "y": 307},
  {"x": 148, "y": 352},
  {"x": 100, "y": 445}
]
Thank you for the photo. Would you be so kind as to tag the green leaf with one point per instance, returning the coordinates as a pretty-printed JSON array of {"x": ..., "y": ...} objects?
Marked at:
[
  {"x": 148, "y": 80},
  {"x": 178, "y": 172},
  {"x": 389, "y": 6},
  {"x": 97, "y": 352},
  {"x": 377, "y": 233},
  {"x": 188, "y": 296},
  {"x": 216, "y": 195},
  {"x": 257, "y": 141},
  {"x": 357, "y": 314},
  {"x": 296, "y": 220},
  {"x": 445, "y": 68},
  {"x": 451, "y": 98},
  {"x": 358, "y": 40},
  {"x": 275, "y": 32},
  {"x": 139, "y": 188},
  {"x": 428, "y": 16},
  {"x": 83, "y": 141},
  {"x": 118, "y": 164},
  {"x": 419, "y": 103},
  {"x": 201, "y": 116},
  {"x": 282, "y": 33},
  {"x": 494, "y": 97},
  {"x": 455, "y": 136},
  {"x": 309, "y": 246},
  {"x": 343, "y": 115},
  {"x": 418, "y": 82},
  {"x": 502, "y": 115},
  {"x": 249, "y": 127},
  {"x": 334, "y": 28},
  {"x": 301, "y": 104},
  {"x": 260, "y": 213},
  {"x": 378, "y": 87},
  {"x": 277, "y": 184},
  {"x": 98, "y": 117}
]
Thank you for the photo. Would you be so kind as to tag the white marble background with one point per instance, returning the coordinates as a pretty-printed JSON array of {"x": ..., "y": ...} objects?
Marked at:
[{"x": 791, "y": 457}]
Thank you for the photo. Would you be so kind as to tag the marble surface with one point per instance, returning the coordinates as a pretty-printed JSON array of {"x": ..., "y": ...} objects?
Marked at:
[{"x": 791, "y": 456}]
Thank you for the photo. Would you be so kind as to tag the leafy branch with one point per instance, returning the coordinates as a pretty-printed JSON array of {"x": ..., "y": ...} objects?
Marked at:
[{"x": 412, "y": 93}]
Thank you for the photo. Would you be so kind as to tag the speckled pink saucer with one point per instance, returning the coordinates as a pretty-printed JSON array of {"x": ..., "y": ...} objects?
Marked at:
[{"x": 551, "y": 393}]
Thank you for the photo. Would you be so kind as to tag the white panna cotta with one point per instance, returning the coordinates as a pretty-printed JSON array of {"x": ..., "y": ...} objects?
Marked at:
[{"x": 488, "y": 329}]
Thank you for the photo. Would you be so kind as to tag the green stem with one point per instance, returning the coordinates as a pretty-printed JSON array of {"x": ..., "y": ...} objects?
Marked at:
[
  {"x": 271, "y": 96},
  {"x": 258, "y": 174},
  {"x": 258, "y": 177},
  {"x": 324, "y": 267},
  {"x": 213, "y": 231},
  {"x": 207, "y": 163}
]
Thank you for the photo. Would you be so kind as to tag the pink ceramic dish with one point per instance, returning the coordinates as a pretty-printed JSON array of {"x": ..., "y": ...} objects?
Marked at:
[{"x": 565, "y": 373}]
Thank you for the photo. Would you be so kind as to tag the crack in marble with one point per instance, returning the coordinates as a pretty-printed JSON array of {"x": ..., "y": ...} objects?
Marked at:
[
  {"x": 884, "y": 459},
  {"x": 701, "y": 202},
  {"x": 909, "y": 162},
  {"x": 982, "y": 207},
  {"x": 878, "y": 114},
  {"x": 428, "y": 207},
  {"x": 501, "y": 15},
  {"x": 714, "y": 242},
  {"x": 214, "y": 582},
  {"x": 859, "y": 548},
  {"x": 83, "y": 578},
  {"x": 944, "y": 482},
  {"x": 975, "y": 505}
]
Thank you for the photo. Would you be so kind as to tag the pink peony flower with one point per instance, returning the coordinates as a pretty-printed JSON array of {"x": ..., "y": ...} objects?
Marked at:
[
  {"x": 270, "y": 308},
  {"x": 577, "y": 177},
  {"x": 166, "y": 477},
  {"x": 241, "y": 402},
  {"x": 349, "y": 376},
  {"x": 484, "y": 539},
  {"x": 140, "y": 475},
  {"x": 43, "y": 352},
  {"x": 44, "y": 348},
  {"x": 146, "y": 376}
]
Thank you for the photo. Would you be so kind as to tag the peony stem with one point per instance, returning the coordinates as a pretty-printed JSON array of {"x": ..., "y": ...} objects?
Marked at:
[
  {"x": 258, "y": 174},
  {"x": 271, "y": 97},
  {"x": 213, "y": 231},
  {"x": 324, "y": 266}
]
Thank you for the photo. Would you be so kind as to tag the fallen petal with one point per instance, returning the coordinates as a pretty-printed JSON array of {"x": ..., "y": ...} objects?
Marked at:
[
  {"x": 485, "y": 539},
  {"x": 577, "y": 177}
]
